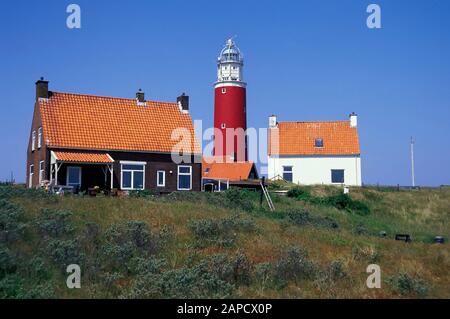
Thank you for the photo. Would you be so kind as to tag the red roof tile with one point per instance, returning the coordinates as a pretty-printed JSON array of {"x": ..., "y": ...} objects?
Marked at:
[
  {"x": 83, "y": 157},
  {"x": 106, "y": 123},
  {"x": 298, "y": 138},
  {"x": 222, "y": 169}
]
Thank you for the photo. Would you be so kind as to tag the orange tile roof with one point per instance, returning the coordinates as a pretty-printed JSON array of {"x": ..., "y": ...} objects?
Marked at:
[
  {"x": 106, "y": 123},
  {"x": 298, "y": 138},
  {"x": 83, "y": 157},
  {"x": 218, "y": 169}
]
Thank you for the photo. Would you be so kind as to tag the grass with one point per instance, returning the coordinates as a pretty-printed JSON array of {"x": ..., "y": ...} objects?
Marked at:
[{"x": 291, "y": 253}]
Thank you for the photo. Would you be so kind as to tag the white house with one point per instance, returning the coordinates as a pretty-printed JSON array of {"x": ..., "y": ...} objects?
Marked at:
[{"x": 309, "y": 153}]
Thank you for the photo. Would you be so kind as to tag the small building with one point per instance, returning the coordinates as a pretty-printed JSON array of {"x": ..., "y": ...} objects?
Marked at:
[
  {"x": 309, "y": 153},
  {"x": 88, "y": 141},
  {"x": 218, "y": 174}
]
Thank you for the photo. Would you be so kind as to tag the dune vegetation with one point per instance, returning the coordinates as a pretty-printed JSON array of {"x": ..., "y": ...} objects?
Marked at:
[{"x": 317, "y": 244}]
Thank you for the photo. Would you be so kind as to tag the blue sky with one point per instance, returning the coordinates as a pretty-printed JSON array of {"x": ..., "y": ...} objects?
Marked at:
[{"x": 304, "y": 60}]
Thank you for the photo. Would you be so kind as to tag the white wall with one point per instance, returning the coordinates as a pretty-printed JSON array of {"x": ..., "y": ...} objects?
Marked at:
[{"x": 309, "y": 170}]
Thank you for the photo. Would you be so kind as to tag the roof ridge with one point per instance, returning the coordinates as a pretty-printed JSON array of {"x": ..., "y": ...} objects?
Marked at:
[
  {"x": 108, "y": 97},
  {"x": 326, "y": 121}
]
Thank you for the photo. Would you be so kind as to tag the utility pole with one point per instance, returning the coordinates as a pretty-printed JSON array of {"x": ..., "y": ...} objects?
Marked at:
[{"x": 412, "y": 163}]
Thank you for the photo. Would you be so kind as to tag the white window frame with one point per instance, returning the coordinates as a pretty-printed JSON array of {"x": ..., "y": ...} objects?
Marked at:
[
  {"x": 79, "y": 175},
  {"x": 30, "y": 178},
  {"x": 224, "y": 90},
  {"x": 122, "y": 163},
  {"x": 33, "y": 141},
  {"x": 288, "y": 172},
  {"x": 41, "y": 172},
  {"x": 163, "y": 184},
  {"x": 184, "y": 174},
  {"x": 343, "y": 176},
  {"x": 39, "y": 137}
]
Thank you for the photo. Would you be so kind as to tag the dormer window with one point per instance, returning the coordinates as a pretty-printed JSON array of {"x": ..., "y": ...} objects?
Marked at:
[
  {"x": 40, "y": 137},
  {"x": 318, "y": 142}
]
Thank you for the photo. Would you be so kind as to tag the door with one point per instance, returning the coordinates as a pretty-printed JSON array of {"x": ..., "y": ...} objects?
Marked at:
[{"x": 73, "y": 176}]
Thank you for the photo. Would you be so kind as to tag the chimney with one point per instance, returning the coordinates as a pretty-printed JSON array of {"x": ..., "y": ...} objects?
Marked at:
[
  {"x": 273, "y": 121},
  {"x": 41, "y": 89},
  {"x": 353, "y": 120},
  {"x": 183, "y": 102},
  {"x": 140, "y": 96}
]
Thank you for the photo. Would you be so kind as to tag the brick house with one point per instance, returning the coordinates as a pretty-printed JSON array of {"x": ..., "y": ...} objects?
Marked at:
[{"x": 129, "y": 144}]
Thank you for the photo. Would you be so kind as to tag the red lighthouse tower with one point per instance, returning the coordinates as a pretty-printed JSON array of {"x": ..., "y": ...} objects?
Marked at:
[{"x": 230, "y": 118}]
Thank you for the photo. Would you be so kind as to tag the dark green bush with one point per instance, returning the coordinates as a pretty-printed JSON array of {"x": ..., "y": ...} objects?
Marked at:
[
  {"x": 239, "y": 198},
  {"x": 336, "y": 270},
  {"x": 8, "y": 262},
  {"x": 405, "y": 284},
  {"x": 183, "y": 283},
  {"x": 54, "y": 223},
  {"x": 301, "y": 218},
  {"x": 234, "y": 270},
  {"x": 145, "y": 266},
  {"x": 293, "y": 265},
  {"x": 65, "y": 252},
  {"x": 345, "y": 202},
  {"x": 220, "y": 232},
  {"x": 299, "y": 193},
  {"x": 11, "y": 226},
  {"x": 126, "y": 240},
  {"x": 7, "y": 192}
]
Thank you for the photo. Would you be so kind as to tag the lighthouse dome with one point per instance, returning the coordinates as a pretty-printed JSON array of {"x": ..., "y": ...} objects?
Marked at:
[{"x": 230, "y": 53}]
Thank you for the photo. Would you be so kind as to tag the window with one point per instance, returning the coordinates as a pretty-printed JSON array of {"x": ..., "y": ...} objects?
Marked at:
[
  {"x": 184, "y": 177},
  {"x": 30, "y": 181},
  {"x": 41, "y": 172},
  {"x": 33, "y": 141},
  {"x": 161, "y": 178},
  {"x": 73, "y": 176},
  {"x": 40, "y": 137},
  {"x": 224, "y": 90},
  {"x": 132, "y": 175},
  {"x": 318, "y": 142},
  {"x": 287, "y": 173},
  {"x": 337, "y": 176},
  {"x": 223, "y": 126}
]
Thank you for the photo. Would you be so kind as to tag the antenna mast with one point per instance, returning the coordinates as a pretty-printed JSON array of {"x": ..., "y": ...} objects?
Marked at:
[{"x": 413, "y": 178}]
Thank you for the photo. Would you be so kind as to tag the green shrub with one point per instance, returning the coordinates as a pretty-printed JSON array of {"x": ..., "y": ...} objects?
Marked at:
[
  {"x": 293, "y": 265},
  {"x": 239, "y": 198},
  {"x": 345, "y": 202},
  {"x": 263, "y": 275},
  {"x": 144, "y": 266},
  {"x": 220, "y": 232},
  {"x": 302, "y": 218},
  {"x": 336, "y": 270},
  {"x": 126, "y": 240},
  {"x": 11, "y": 226},
  {"x": 7, "y": 192},
  {"x": 405, "y": 284},
  {"x": 234, "y": 270},
  {"x": 65, "y": 252},
  {"x": 54, "y": 223},
  {"x": 8, "y": 262},
  {"x": 184, "y": 283},
  {"x": 299, "y": 193},
  {"x": 145, "y": 193}
]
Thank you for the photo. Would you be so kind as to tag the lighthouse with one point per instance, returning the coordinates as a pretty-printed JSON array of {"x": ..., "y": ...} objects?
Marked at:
[{"x": 230, "y": 118}]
